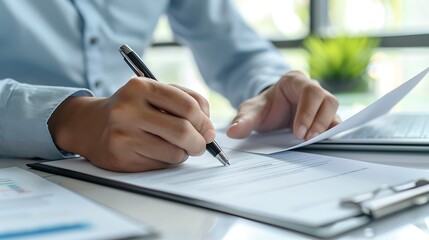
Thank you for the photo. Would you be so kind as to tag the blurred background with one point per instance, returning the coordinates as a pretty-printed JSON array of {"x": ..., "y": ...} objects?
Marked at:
[{"x": 395, "y": 34}]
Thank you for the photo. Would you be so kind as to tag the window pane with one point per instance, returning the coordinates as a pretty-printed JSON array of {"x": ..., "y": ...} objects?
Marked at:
[
  {"x": 392, "y": 67},
  {"x": 389, "y": 69},
  {"x": 163, "y": 32},
  {"x": 379, "y": 16},
  {"x": 277, "y": 20},
  {"x": 273, "y": 19},
  {"x": 295, "y": 57}
]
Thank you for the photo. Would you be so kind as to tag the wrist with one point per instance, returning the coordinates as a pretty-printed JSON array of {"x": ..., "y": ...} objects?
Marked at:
[{"x": 68, "y": 125}]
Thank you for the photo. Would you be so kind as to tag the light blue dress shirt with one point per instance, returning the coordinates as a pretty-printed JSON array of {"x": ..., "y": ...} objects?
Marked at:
[{"x": 53, "y": 49}]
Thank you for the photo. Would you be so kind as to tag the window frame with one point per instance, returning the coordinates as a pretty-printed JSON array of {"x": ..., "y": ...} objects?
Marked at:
[{"x": 319, "y": 23}]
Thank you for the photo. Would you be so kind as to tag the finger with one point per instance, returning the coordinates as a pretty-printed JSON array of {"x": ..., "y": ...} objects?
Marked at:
[
  {"x": 247, "y": 119},
  {"x": 133, "y": 150},
  {"x": 155, "y": 147},
  {"x": 134, "y": 162},
  {"x": 324, "y": 117},
  {"x": 177, "y": 131},
  {"x": 308, "y": 106},
  {"x": 202, "y": 101},
  {"x": 177, "y": 102},
  {"x": 335, "y": 122},
  {"x": 128, "y": 161}
]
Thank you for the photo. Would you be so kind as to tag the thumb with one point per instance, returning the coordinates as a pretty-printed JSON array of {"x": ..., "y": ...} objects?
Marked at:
[{"x": 247, "y": 119}]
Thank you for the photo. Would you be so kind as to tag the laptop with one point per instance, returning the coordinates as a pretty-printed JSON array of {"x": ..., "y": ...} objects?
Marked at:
[{"x": 392, "y": 132}]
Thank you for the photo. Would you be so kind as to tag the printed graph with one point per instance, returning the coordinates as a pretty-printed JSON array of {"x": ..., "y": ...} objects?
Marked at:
[{"x": 9, "y": 188}]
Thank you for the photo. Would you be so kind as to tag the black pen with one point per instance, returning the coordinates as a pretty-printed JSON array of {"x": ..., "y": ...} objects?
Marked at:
[{"x": 140, "y": 69}]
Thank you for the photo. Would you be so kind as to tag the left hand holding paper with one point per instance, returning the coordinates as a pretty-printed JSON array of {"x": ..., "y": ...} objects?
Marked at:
[{"x": 295, "y": 101}]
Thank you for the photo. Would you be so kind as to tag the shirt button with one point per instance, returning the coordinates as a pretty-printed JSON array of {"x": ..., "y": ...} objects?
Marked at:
[
  {"x": 93, "y": 40},
  {"x": 97, "y": 83}
]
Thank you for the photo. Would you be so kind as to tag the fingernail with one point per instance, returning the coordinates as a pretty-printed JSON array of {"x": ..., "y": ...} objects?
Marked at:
[{"x": 302, "y": 130}]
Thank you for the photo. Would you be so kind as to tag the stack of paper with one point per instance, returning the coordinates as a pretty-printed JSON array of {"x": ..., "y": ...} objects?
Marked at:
[{"x": 34, "y": 208}]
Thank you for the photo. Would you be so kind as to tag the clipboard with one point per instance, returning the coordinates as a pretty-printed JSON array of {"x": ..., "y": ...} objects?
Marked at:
[{"x": 363, "y": 208}]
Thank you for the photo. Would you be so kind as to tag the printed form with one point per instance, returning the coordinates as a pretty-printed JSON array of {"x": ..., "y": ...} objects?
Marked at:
[{"x": 285, "y": 187}]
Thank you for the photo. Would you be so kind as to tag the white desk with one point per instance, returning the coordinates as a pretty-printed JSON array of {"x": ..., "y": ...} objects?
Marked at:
[{"x": 178, "y": 221}]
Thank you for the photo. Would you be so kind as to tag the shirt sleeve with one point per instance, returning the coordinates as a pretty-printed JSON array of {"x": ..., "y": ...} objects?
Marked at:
[
  {"x": 24, "y": 113},
  {"x": 232, "y": 58}
]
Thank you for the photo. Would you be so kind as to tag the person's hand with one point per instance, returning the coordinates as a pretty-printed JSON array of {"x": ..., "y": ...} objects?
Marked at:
[
  {"x": 128, "y": 132},
  {"x": 294, "y": 102}
]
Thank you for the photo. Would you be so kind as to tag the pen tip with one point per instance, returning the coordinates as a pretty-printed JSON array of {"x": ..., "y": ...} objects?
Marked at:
[{"x": 223, "y": 159}]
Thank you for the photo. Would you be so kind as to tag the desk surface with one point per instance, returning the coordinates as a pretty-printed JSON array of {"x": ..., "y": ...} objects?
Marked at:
[{"x": 178, "y": 221}]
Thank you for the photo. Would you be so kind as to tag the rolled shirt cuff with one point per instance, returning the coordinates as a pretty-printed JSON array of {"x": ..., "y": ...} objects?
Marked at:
[{"x": 25, "y": 122}]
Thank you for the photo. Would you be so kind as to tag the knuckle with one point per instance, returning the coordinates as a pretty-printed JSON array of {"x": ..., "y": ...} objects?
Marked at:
[
  {"x": 306, "y": 116},
  {"x": 204, "y": 102},
  {"x": 313, "y": 89},
  {"x": 204, "y": 105},
  {"x": 332, "y": 100},
  {"x": 286, "y": 80},
  {"x": 294, "y": 74},
  {"x": 293, "y": 77},
  {"x": 239, "y": 115},
  {"x": 181, "y": 129},
  {"x": 189, "y": 105},
  {"x": 142, "y": 85},
  {"x": 318, "y": 126},
  {"x": 129, "y": 90},
  {"x": 198, "y": 97},
  {"x": 134, "y": 83},
  {"x": 241, "y": 112},
  {"x": 134, "y": 80},
  {"x": 205, "y": 125},
  {"x": 148, "y": 86}
]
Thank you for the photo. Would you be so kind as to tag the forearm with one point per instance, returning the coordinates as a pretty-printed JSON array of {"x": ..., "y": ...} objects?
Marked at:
[{"x": 232, "y": 58}]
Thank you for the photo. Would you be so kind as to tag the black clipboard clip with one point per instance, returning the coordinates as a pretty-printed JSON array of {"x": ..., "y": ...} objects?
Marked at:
[{"x": 386, "y": 199}]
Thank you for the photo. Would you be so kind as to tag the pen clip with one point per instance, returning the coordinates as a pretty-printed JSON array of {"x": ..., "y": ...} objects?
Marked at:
[
  {"x": 130, "y": 63},
  {"x": 386, "y": 200}
]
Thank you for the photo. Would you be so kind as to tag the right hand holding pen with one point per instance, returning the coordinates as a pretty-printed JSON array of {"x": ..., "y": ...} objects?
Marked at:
[{"x": 128, "y": 132}]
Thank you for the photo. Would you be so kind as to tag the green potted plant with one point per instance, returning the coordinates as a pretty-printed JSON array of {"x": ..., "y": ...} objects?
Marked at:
[{"x": 341, "y": 63}]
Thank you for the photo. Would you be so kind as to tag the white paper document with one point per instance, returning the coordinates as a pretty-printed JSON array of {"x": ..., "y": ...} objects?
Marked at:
[
  {"x": 288, "y": 187},
  {"x": 268, "y": 143},
  {"x": 33, "y": 208}
]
